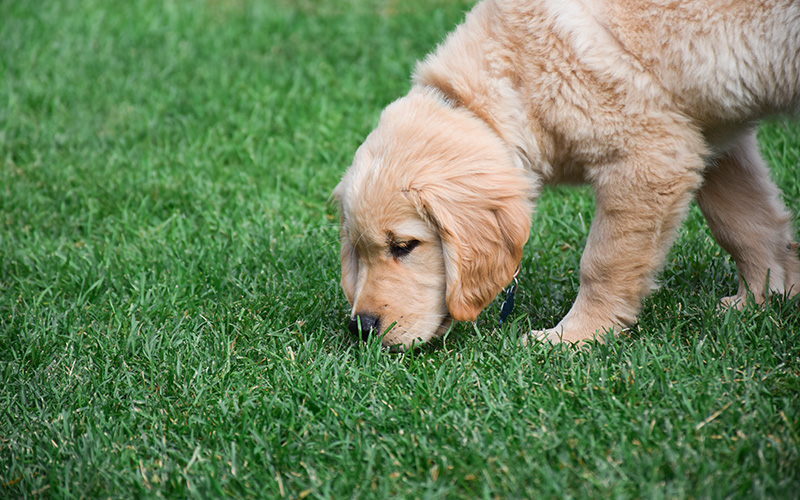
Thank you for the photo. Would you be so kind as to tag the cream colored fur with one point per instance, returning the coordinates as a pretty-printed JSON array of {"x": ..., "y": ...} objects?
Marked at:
[{"x": 651, "y": 103}]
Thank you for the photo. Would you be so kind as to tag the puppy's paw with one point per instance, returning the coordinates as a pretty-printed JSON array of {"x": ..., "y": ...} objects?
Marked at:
[
  {"x": 735, "y": 302},
  {"x": 741, "y": 301},
  {"x": 558, "y": 335},
  {"x": 552, "y": 336}
]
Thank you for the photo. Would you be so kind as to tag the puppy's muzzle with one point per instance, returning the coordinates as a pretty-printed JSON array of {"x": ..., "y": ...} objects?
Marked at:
[{"x": 365, "y": 323}]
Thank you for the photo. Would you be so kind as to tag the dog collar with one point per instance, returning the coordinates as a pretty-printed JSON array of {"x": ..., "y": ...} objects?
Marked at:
[{"x": 508, "y": 304}]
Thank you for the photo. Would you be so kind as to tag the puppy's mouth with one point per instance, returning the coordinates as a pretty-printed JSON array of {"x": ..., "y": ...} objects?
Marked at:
[
  {"x": 442, "y": 329},
  {"x": 444, "y": 326}
]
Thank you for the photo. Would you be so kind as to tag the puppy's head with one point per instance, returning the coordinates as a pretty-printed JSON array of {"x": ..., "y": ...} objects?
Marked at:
[{"x": 434, "y": 215}]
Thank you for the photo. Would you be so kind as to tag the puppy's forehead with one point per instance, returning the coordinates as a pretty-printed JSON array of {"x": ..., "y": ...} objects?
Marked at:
[
  {"x": 375, "y": 200},
  {"x": 415, "y": 139},
  {"x": 378, "y": 224}
]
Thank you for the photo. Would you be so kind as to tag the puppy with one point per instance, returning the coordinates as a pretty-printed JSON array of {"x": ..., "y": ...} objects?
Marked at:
[{"x": 653, "y": 103}]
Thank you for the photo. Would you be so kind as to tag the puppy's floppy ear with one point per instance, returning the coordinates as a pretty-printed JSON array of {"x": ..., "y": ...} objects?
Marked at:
[
  {"x": 483, "y": 218},
  {"x": 347, "y": 253}
]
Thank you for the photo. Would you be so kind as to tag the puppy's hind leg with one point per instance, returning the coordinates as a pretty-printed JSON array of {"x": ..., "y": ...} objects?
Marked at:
[{"x": 743, "y": 209}]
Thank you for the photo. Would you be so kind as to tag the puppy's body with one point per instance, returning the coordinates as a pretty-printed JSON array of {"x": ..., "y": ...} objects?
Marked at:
[{"x": 652, "y": 103}]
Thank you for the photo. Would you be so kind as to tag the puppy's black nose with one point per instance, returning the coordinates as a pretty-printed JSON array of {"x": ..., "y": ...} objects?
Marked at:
[{"x": 370, "y": 324}]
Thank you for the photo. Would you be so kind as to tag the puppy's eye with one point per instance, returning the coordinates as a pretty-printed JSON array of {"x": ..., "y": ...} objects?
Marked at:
[{"x": 400, "y": 249}]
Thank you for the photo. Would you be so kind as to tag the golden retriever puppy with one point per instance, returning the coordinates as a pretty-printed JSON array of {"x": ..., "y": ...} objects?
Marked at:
[{"x": 653, "y": 103}]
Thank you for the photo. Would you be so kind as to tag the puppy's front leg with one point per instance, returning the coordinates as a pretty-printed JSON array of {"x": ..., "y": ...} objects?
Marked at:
[{"x": 640, "y": 205}]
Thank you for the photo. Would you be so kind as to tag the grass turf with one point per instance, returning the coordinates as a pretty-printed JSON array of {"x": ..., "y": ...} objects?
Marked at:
[{"x": 171, "y": 323}]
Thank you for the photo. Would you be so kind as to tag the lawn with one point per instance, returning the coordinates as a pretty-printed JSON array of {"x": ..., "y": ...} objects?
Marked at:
[{"x": 171, "y": 323}]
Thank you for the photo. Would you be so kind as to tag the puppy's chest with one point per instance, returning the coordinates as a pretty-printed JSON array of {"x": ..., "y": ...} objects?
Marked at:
[{"x": 571, "y": 145}]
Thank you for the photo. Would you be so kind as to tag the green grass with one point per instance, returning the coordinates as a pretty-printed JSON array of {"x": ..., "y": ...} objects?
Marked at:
[{"x": 171, "y": 323}]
